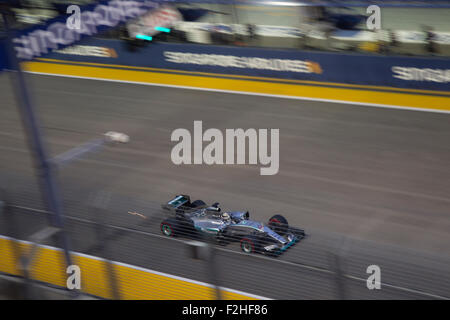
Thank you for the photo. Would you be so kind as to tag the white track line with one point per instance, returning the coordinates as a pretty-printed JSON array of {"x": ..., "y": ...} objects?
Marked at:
[{"x": 249, "y": 93}]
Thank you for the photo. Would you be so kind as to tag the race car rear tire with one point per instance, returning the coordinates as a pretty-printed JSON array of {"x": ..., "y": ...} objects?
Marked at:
[
  {"x": 279, "y": 224},
  {"x": 198, "y": 203},
  {"x": 168, "y": 227}
]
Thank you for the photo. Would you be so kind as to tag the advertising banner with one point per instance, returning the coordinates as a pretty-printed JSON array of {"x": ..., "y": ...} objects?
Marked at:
[{"x": 388, "y": 71}]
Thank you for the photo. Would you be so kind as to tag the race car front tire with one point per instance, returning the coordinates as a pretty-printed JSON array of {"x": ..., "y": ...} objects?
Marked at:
[{"x": 279, "y": 224}]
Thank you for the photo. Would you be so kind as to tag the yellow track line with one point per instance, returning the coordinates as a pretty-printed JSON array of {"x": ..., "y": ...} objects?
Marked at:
[
  {"x": 426, "y": 102},
  {"x": 244, "y": 77}
]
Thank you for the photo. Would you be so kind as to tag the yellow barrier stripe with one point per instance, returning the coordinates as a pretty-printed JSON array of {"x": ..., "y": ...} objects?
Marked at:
[
  {"x": 233, "y": 76},
  {"x": 391, "y": 99},
  {"x": 8, "y": 261},
  {"x": 133, "y": 282}
]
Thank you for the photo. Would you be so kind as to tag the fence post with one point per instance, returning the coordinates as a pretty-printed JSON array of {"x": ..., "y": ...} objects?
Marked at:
[
  {"x": 203, "y": 250},
  {"x": 214, "y": 271},
  {"x": 45, "y": 169},
  {"x": 337, "y": 266},
  {"x": 100, "y": 205},
  {"x": 27, "y": 285}
]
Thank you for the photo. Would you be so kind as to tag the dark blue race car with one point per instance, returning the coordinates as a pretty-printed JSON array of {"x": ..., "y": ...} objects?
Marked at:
[{"x": 196, "y": 219}]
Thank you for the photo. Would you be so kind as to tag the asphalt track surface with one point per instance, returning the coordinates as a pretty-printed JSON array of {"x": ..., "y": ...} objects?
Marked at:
[{"x": 370, "y": 185}]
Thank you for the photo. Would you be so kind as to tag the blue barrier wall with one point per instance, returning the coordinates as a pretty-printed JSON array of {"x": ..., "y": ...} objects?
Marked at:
[{"x": 400, "y": 72}]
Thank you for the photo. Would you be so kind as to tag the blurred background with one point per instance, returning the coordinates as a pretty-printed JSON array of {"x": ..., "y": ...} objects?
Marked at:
[
  {"x": 408, "y": 27},
  {"x": 369, "y": 185}
]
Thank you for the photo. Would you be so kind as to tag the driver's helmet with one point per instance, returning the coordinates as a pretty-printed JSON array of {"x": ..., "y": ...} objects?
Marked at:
[{"x": 226, "y": 217}]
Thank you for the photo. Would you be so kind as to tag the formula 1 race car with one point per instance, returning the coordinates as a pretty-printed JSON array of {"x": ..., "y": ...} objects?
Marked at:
[{"x": 196, "y": 219}]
